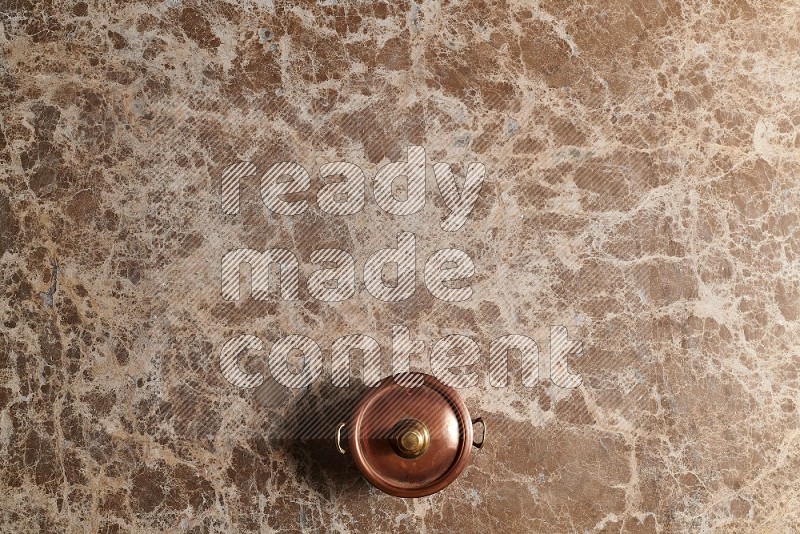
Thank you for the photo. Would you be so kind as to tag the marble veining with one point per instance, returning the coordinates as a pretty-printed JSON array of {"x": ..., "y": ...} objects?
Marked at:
[{"x": 642, "y": 190}]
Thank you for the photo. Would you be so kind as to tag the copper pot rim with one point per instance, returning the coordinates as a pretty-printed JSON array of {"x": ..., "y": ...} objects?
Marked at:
[{"x": 460, "y": 459}]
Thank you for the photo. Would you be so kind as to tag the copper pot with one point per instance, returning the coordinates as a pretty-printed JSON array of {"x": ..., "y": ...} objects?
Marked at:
[{"x": 411, "y": 435}]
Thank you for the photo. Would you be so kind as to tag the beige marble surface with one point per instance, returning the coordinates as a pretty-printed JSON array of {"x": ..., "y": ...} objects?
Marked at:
[{"x": 642, "y": 190}]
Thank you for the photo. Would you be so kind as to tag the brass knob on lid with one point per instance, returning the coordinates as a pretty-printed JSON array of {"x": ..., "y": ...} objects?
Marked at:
[{"x": 411, "y": 438}]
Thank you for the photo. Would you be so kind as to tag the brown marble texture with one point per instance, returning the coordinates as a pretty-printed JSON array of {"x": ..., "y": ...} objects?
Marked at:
[{"x": 642, "y": 190}]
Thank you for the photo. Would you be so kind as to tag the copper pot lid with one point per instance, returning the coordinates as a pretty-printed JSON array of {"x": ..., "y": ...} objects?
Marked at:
[{"x": 411, "y": 435}]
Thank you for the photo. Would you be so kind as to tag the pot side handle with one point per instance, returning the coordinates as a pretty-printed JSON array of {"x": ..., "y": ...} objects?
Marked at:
[
  {"x": 339, "y": 438},
  {"x": 479, "y": 445}
]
